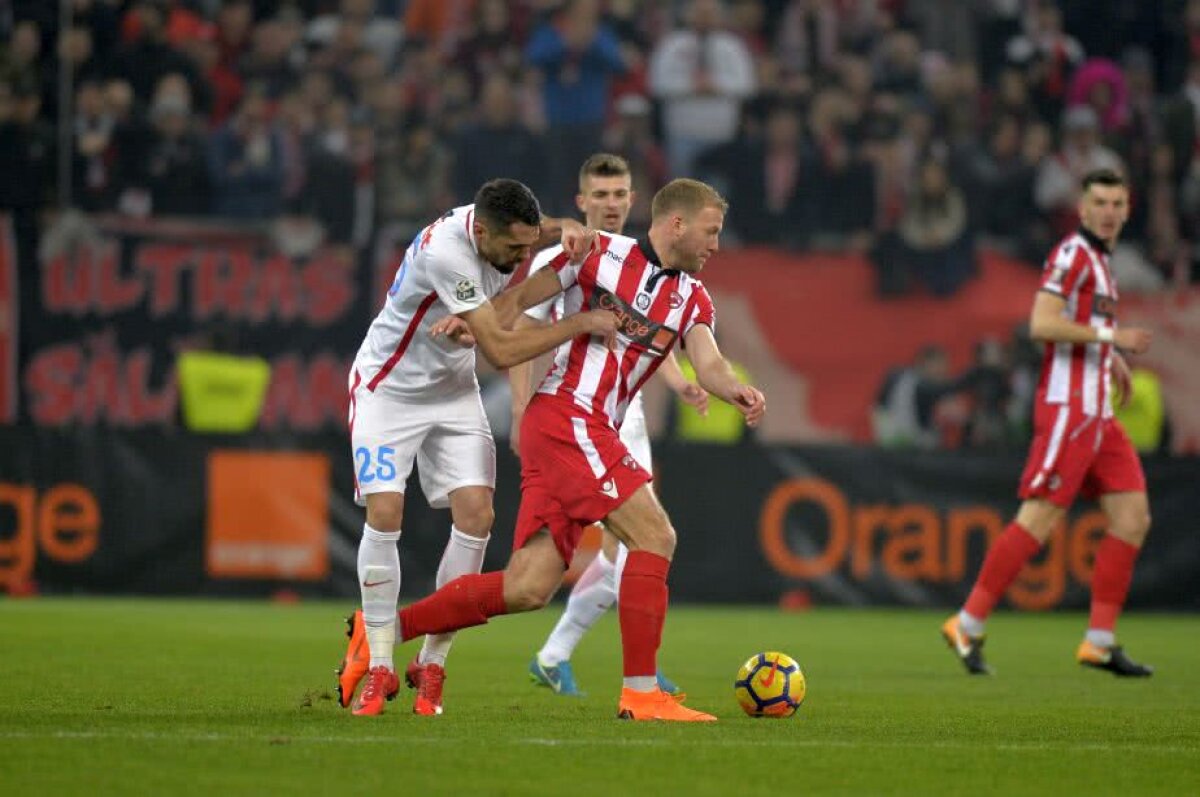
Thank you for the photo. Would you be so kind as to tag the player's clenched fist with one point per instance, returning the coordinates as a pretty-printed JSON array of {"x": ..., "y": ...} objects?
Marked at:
[
  {"x": 751, "y": 402},
  {"x": 577, "y": 240}
]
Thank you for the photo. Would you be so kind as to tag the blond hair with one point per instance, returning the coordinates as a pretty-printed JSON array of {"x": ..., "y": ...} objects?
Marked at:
[{"x": 686, "y": 196}]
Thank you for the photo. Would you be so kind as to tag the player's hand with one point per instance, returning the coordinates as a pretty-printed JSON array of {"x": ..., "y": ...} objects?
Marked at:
[
  {"x": 1122, "y": 380},
  {"x": 696, "y": 396},
  {"x": 1132, "y": 339},
  {"x": 455, "y": 329},
  {"x": 751, "y": 403},
  {"x": 601, "y": 323},
  {"x": 577, "y": 240}
]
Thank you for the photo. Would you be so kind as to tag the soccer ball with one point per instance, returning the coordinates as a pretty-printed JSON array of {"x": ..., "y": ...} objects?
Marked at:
[{"x": 770, "y": 685}]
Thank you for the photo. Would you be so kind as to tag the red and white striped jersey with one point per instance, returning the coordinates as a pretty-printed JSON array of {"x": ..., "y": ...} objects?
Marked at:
[
  {"x": 1078, "y": 374},
  {"x": 442, "y": 273},
  {"x": 654, "y": 306}
]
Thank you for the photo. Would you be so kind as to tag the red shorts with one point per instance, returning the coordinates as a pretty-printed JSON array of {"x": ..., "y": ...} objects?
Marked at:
[
  {"x": 574, "y": 471},
  {"x": 1074, "y": 453}
]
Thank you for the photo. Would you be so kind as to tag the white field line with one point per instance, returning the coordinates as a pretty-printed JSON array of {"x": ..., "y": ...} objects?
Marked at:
[{"x": 280, "y": 739}]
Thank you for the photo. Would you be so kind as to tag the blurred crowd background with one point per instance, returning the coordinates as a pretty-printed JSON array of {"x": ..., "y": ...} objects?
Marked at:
[{"x": 913, "y": 132}]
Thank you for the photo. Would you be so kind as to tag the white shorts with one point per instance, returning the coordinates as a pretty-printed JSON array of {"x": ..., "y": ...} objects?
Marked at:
[
  {"x": 634, "y": 436},
  {"x": 449, "y": 440}
]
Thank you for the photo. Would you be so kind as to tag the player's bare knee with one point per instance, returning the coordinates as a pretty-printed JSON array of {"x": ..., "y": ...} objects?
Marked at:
[
  {"x": 658, "y": 538},
  {"x": 1132, "y": 527},
  {"x": 525, "y": 595},
  {"x": 477, "y": 522},
  {"x": 385, "y": 512}
]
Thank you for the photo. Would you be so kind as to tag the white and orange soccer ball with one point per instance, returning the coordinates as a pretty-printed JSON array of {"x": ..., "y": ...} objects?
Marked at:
[{"x": 770, "y": 684}]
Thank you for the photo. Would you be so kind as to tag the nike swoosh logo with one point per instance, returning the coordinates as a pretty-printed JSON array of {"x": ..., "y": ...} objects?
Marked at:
[
  {"x": 375, "y": 583},
  {"x": 771, "y": 675}
]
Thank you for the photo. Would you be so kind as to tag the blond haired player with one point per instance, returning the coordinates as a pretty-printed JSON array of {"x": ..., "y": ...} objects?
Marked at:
[{"x": 605, "y": 198}]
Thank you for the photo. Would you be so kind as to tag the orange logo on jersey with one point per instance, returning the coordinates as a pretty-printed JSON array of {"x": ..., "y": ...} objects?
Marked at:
[{"x": 631, "y": 323}]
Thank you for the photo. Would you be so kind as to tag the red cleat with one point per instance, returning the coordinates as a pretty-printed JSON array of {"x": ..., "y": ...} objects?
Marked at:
[
  {"x": 382, "y": 686},
  {"x": 427, "y": 679}
]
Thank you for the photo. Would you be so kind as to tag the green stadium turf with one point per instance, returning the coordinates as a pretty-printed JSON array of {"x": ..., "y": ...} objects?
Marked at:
[{"x": 172, "y": 697}]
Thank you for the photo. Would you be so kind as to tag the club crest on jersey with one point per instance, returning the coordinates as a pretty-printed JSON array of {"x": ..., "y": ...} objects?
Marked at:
[
  {"x": 464, "y": 290},
  {"x": 642, "y": 301},
  {"x": 632, "y": 324},
  {"x": 1105, "y": 306}
]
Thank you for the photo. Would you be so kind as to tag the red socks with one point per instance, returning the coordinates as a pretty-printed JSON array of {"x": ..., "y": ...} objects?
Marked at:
[
  {"x": 642, "y": 608},
  {"x": 1003, "y": 563},
  {"x": 464, "y": 602},
  {"x": 1110, "y": 581}
]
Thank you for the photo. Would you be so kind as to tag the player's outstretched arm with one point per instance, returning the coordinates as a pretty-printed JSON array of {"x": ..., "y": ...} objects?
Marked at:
[
  {"x": 530, "y": 292},
  {"x": 1047, "y": 323},
  {"x": 680, "y": 385},
  {"x": 504, "y": 348},
  {"x": 717, "y": 377}
]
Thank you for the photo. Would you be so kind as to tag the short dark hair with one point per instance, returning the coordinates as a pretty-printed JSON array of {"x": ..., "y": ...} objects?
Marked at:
[
  {"x": 501, "y": 202},
  {"x": 603, "y": 164},
  {"x": 1107, "y": 177}
]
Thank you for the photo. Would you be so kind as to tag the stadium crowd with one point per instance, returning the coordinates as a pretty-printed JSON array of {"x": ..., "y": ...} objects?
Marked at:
[{"x": 908, "y": 129}]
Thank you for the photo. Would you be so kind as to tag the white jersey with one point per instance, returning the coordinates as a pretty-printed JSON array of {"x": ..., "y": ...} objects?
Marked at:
[
  {"x": 442, "y": 273},
  {"x": 552, "y": 310}
]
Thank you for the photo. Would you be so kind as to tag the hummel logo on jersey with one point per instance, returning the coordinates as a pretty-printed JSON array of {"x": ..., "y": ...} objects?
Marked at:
[
  {"x": 642, "y": 301},
  {"x": 375, "y": 583},
  {"x": 464, "y": 290},
  {"x": 609, "y": 488}
]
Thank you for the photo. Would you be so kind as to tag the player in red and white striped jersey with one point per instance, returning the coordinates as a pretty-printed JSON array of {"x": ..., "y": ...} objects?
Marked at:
[
  {"x": 575, "y": 470},
  {"x": 414, "y": 399},
  {"x": 1078, "y": 446},
  {"x": 605, "y": 197}
]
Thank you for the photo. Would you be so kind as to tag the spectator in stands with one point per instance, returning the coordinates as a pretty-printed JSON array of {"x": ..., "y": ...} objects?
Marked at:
[
  {"x": 702, "y": 74},
  {"x": 271, "y": 61},
  {"x": 226, "y": 83},
  {"x": 934, "y": 241},
  {"x": 766, "y": 180},
  {"x": 491, "y": 46},
  {"x": 903, "y": 414},
  {"x": 577, "y": 55},
  {"x": 1057, "y": 188},
  {"x": 96, "y": 162},
  {"x": 1002, "y": 178},
  {"x": 842, "y": 212},
  {"x": 988, "y": 387},
  {"x": 1100, "y": 84},
  {"x": 1047, "y": 55},
  {"x": 150, "y": 56},
  {"x": 77, "y": 55},
  {"x": 414, "y": 176},
  {"x": 19, "y": 64},
  {"x": 175, "y": 163},
  {"x": 499, "y": 136},
  {"x": 246, "y": 162},
  {"x": 27, "y": 154}
]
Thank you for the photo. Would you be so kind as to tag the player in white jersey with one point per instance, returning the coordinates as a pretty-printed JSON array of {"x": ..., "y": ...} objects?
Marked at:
[
  {"x": 605, "y": 198},
  {"x": 414, "y": 398}
]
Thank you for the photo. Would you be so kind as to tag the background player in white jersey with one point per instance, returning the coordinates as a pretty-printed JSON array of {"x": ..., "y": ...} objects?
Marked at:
[
  {"x": 1078, "y": 445},
  {"x": 605, "y": 198},
  {"x": 414, "y": 398},
  {"x": 575, "y": 470}
]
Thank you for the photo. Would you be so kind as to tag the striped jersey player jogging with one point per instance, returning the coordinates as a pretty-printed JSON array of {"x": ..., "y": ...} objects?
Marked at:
[{"x": 1078, "y": 446}]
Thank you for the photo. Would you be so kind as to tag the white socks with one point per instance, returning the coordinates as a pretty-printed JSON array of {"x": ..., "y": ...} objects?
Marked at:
[
  {"x": 593, "y": 595},
  {"x": 1101, "y": 639},
  {"x": 463, "y": 557},
  {"x": 971, "y": 625},
  {"x": 640, "y": 683},
  {"x": 379, "y": 581}
]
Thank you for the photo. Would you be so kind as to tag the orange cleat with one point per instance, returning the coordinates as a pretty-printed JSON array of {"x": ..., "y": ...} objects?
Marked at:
[
  {"x": 356, "y": 661},
  {"x": 427, "y": 679},
  {"x": 382, "y": 686},
  {"x": 657, "y": 705}
]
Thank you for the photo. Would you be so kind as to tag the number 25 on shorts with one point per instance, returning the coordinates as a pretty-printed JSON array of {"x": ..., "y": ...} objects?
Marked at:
[{"x": 384, "y": 461}]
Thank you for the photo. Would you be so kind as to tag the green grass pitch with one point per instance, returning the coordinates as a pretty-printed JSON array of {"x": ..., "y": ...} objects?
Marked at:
[{"x": 133, "y": 697}]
